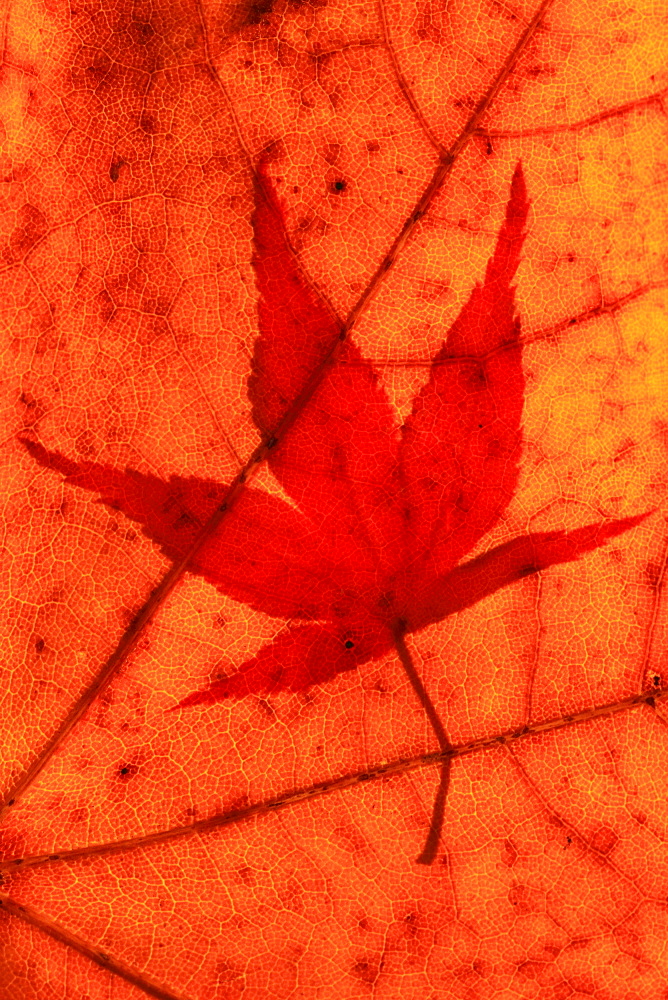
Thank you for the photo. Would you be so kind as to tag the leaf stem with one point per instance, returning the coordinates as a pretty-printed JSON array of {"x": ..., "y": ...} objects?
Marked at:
[{"x": 428, "y": 855}]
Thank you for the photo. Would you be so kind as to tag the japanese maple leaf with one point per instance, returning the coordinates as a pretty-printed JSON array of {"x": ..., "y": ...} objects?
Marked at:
[{"x": 372, "y": 545}]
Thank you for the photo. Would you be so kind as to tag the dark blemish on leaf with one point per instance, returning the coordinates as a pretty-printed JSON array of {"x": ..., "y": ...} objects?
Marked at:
[
  {"x": 266, "y": 708},
  {"x": 39, "y": 645},
  {"x": 332, "y": 152},
  {"x": 372, "y": 146},
  {"x": 34, "y": 410},
  {"x": 142, "y": 32},
  {"x": 54, "y": 857},
  {"x": 338, "y": 186},
  {"x": 650, "y": 701},
  {"x": 254, "y": 12},
  {"x": 246, "y": 875},
  {"x": 115, "y": 169},
  {"x": 127, "y": 771},
  {"x": 490, "y": 150},
  {"x": 366, "y": 971},
  {"x": 31, "y": 226},
  {"x": 604, "y": 840},
  {"x": 656, "y": 680},
  {"x": 477, "y": 378},
  {"x": 510, "y": 855},
  {"x": 348, "y": 644},
  {"x": 272, "y": 442}
]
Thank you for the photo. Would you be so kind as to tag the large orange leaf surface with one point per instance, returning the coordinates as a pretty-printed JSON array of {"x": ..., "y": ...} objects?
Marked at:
[{"x": 335, "y": 351}]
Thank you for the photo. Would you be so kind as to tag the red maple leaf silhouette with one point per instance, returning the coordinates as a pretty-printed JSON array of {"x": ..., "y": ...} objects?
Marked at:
[{"x": 371, "y": 548}]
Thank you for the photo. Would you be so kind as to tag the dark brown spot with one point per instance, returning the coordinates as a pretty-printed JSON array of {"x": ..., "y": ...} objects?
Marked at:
[
  {"x": 30, "y": 228},
  {"x": 127, "y": 771},
  {"x": 115, "y": 169},
  {"x": 367, "y": 972}
]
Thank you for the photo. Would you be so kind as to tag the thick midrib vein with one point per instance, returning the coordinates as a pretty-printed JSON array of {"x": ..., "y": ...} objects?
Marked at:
[
  {"x": 174, "y": 574},
  {"x": 509, "y": 738}
]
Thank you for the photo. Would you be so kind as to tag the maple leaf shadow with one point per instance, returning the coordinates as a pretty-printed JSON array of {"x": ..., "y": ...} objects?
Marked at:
[{"x": 371, "y": 547}]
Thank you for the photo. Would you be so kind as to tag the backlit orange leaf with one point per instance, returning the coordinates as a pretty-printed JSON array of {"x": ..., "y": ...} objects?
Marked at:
[{"x": 334, "y": 504}]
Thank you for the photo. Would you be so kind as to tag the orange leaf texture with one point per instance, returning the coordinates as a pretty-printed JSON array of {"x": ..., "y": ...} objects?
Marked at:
[{"x": 334, "y": 501}]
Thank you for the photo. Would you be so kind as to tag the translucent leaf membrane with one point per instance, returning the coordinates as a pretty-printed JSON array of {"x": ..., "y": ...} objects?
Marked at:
[{"x": 271, "y": 838}]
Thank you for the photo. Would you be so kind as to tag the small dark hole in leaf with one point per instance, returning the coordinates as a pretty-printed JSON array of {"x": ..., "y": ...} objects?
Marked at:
[
  {"x": 656, "y": 680},
  {"x": 339, "y": 186},
  {"x": 125, "y": 770},
  {"x": 349, "y": 644}
]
